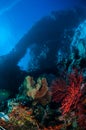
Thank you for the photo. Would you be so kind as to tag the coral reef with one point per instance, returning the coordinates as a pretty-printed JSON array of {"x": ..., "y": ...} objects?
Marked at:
[
  {"x": 38, "y": 106},
  {"x": 20, "y": 118}
]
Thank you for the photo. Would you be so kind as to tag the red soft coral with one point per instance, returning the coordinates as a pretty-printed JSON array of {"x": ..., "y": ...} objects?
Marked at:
[
  {"x": 68, "y": 94},
  {"x": 58, "y": 90},
  {"x": 73, "y": 93},
  {"x": 72, "y": 96}
]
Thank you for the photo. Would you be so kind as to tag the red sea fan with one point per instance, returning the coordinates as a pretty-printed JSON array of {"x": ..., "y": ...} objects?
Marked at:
[
  {"x": 73, "y": 93},
  {"x": 59, "y": 90},
  {"x": 68, "y": 95},
  {"x": 72, "y": 96}
]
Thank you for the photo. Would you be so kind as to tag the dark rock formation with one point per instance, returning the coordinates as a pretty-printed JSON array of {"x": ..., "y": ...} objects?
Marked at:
[{"x": 49, "y": 30}]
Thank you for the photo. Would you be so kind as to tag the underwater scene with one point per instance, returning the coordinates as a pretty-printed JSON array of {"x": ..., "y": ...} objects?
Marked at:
[{"x": 42, "y": 64}]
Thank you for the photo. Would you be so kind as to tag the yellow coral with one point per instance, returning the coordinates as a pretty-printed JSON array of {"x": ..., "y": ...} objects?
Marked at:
[{"x": 38, "y": 91}]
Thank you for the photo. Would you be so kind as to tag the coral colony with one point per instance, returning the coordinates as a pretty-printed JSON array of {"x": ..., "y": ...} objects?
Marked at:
[{"x": 34, "y": 109}]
